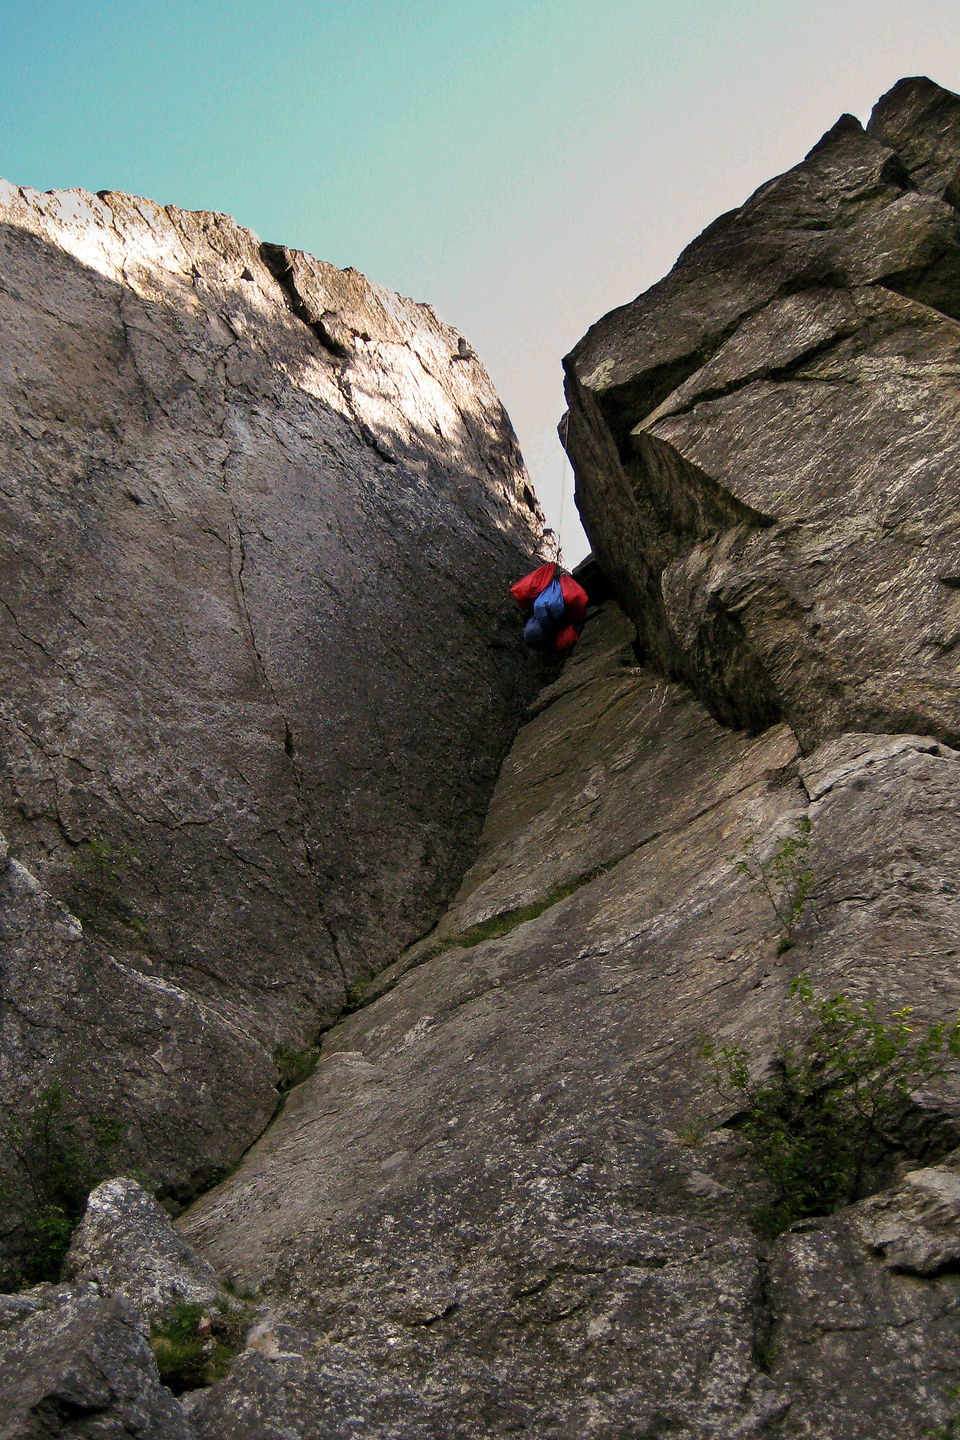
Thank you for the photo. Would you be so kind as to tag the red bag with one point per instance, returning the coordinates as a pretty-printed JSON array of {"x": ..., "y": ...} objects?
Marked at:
[
  {"x": 525, "y": 591},
  {"x": 574, "y": 598},
  {"x": 567, "y": 638}
]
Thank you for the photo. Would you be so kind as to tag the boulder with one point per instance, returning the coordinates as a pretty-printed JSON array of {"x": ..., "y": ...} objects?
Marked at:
[
  {"x": 845, "y": 1300},
  {"x": 258, "y": 517},
  {"x": 72, "y": 1364},
  {"x": 126, "y": 1245},
  {"x": 766, "y": 441}
]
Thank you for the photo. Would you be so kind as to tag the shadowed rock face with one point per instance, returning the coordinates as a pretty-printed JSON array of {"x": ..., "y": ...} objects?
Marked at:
[
  {"x": 766, "y": 442},
  {"x": 257, "y": 521}
]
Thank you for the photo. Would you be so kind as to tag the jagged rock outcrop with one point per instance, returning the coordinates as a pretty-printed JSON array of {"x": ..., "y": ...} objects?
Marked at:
[
  {"x": 78, "y": 1358},
  {"x": 766, "y": 442},
  {"x": 126, "y": 1245},
  {"x": 257, "y": 519}
]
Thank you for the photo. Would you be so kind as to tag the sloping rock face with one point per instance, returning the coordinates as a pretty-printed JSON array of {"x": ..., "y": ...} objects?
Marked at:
[
  {"x": 257, "y": 520},
  {"x": 534, "y": 1225},
  {"x": 766, "y": 441}
]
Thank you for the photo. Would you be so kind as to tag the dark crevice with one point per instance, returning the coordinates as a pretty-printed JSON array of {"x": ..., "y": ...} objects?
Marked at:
[
  {"x": 936, "y": 286},
  {"x": 764, "y": 1338},
  {"x": 434, "y": 1320},
  {"x": 625, "y": 406},
  {"x": 688, "y": 504},
  {"x": 278, "y": 262},
  {"x": 789, "y": 371}
]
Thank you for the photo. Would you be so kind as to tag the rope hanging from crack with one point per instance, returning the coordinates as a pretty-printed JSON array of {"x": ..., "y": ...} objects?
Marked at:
[{"x": 565, "y": 465}]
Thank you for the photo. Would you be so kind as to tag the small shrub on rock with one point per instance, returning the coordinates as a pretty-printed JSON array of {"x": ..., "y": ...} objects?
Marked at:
[
  {"x": 823, "y": 1121},
  {"x": 784, "y": 878},
  {"x": 195, "y": 1346},
  {"x": 52, "y": 1156}
]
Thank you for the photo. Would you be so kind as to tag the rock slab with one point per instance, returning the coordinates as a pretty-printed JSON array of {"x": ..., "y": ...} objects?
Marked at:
[
  {"x": 257, "y": 520},
  {"x": 535, "y": 1224}
]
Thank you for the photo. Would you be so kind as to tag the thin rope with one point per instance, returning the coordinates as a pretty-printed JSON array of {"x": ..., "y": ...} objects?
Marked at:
[{"x": 563, "y": 478}]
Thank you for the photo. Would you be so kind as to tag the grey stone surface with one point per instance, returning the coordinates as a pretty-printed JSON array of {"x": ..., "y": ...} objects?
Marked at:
[
  {"x": 863, "y": 1347},
  {"x": 334, "y": 1396},
  {"x": 921, "y": 121},
  {"x": 509, "y": 1200},
  {"x": 257, "y": 521},
  {"x": 126, "y": 1245},
  {"x": 533, "y": 1223},
  {"x": 916, "y": 1227},
  {"x": 122, "y": 1042},
  {"x": 72, "y": 1364},
  {"x": 766, "y": 441}
]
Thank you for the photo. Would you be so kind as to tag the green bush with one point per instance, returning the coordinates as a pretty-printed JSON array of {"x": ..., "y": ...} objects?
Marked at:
[
  {"x": 195, "y": 1345},
  {"x": 293, "y": 1066},
  {"x": 823, "y": 1122},
  {"x": 785, "y": 878},
  {"x": 52, "y": 1159}
]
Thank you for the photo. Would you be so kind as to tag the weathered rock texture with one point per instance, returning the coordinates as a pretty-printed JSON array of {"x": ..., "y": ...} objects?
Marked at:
[
  {"x": 73, "y": 1364},
  {"x": 257, "y": 519},
  {"x": 127, "y": 1245},
  {"x": 531, "y": 1226},
  {"x": 508, "y": 1200},
  {"x": 766, "y": 442}
]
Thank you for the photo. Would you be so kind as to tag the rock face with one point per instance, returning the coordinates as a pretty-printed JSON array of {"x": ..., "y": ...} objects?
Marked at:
[
  {"x": 509, "y": 1199},
  {"x": 766, "y": 442},
  {"x": 541, "y": 1221},
  {"x": 534, "y": 1224},
  {"x": 257, "y": 519},
  {"x": 188, "y": 1085}
]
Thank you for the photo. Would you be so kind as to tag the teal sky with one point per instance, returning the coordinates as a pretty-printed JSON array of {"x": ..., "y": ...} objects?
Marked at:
[{"x": 523, "y": 166}]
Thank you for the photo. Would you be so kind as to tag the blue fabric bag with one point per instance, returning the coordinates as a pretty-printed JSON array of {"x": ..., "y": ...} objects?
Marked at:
[
  {"x": 549, "y": 605},
  {"x": 538, "y": 634}
]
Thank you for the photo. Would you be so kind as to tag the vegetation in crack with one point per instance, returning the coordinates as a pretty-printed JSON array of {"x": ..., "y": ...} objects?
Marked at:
[
  {"x": 363, "y": 993},
  {"x": 196, "y": 1345},
  {"x": 52, "y": 1157},
  {"x": 827, "y": 1119},
  {"x": 950, "y": 1430},
  {"x": 784, "y": 877},
  {"x": 502, "y": 924},
  {"x": 294, "y": 1066},
  {"x": 100, "y": 876}
]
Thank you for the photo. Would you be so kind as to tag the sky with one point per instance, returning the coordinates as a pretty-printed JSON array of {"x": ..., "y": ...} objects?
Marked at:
[{"x": 524, "y": 165}]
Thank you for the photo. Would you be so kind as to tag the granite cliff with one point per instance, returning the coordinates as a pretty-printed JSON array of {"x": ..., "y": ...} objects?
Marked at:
[
  {"x": 765, "y": 441},
  {"x": 508, "y": 1200},
  {"x": 257, "y": 516}
]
